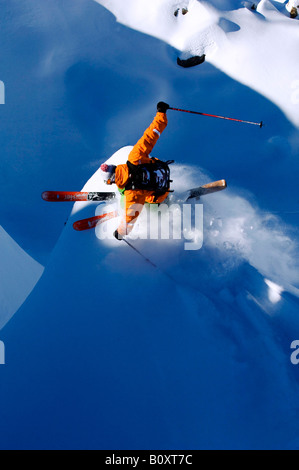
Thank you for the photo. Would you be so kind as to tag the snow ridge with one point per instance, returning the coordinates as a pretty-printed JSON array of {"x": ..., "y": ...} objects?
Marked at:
[
  {"x": 18, "y": 273},
  {"x": 231, "y": 41}
]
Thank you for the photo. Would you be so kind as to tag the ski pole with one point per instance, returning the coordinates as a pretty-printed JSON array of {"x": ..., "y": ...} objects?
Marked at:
[
  {"x": 260, "y": 124},
  {"x": 149, "y": 261},
  {"x": 141, "y": 254}
]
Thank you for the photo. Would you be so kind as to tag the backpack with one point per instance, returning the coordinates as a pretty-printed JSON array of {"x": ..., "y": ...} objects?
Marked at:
[{"x": 150, "y": 176}]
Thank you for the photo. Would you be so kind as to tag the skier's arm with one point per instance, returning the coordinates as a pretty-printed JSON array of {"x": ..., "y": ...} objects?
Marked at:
[{"x": 144, "y": 146}]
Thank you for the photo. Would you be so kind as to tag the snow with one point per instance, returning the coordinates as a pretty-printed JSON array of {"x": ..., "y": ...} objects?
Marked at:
[
  {"x": 274, "y": 291},
  {"x": 244, "y": 44},
  {"x": 19, "y": 274},
  {"x": 108, "y": 351},
  {"x": 232, "y": 225}
]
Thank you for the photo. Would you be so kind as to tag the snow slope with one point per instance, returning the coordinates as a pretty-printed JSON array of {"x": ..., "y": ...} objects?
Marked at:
[
  {"x": 19, "y": 274},
  {"x": 102, "y": 356},
  {"x": 245, "y": 44},
  {"x": 108, "y": 352}
]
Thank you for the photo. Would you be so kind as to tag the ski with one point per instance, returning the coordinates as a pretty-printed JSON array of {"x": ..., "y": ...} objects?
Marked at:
[
  {"x": 140, "y": 254},
  {"x": 73, "y": 196},
  {"x": 206, "y": 189},
  {"x": 92, "y": 222}
]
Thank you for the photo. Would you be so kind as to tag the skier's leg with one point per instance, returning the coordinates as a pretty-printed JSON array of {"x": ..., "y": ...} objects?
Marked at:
[
  {"x": 134, "y": 202},
  {"x": 151, "y": 199}
]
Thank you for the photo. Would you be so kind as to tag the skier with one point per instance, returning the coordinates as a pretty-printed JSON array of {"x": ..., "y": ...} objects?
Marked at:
[{"x": 143, "y": 178}]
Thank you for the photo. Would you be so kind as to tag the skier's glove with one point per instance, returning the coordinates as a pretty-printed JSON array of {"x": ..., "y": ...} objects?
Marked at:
[
  {"x": 117, "y": 235},
  {"x": 162, "y": 107}
]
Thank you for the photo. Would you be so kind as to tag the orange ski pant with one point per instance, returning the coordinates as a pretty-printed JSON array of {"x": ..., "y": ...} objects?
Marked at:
[{"x": 134, "y": 202}]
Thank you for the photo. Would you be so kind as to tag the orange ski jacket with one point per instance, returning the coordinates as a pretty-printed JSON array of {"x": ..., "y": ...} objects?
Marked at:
[{"x": 135, "y": 199}]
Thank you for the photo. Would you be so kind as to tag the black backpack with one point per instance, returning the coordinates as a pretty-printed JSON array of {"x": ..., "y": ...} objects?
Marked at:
[{"x": 150, "y": 176}]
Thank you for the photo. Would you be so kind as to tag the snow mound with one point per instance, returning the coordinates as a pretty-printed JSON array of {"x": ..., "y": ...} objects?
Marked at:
[
  {"x": 19, "y": 274},
  {"x": 245, "y": 44},
  {"x": 187, "y": 359},
  {"x": 109, "y": 352}
]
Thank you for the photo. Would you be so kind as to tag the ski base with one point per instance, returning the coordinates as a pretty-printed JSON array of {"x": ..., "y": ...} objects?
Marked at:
[
  {"x": 209, "y": 188},
  {"x": 92, "y": 222},
  {"x": 73, "y": 196}
]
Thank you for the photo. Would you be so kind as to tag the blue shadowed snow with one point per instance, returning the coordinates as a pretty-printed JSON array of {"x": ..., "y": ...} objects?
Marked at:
[{"x": 108, "y": 352}]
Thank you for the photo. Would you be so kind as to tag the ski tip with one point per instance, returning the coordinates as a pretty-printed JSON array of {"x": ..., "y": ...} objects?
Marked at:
[
  {"x": 76, "y": 227},
  {"x": 80, "y": 225},
  {"x": 220, "y": 184}
]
